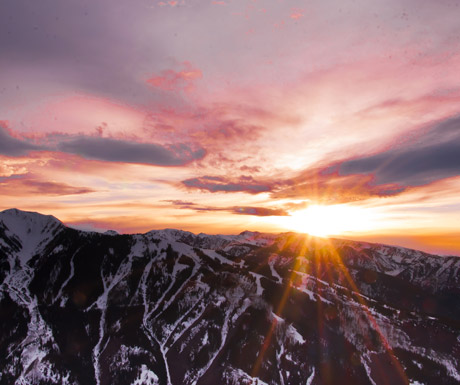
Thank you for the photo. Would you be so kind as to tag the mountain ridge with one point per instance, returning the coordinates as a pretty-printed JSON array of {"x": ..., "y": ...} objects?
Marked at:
[
  {"x": 245, "y": 233},
  {"x": 174, "y": 308}
]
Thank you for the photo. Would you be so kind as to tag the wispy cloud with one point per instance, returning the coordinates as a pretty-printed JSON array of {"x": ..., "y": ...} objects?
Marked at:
[
  {"x": 172, "y": 80},
  {"x": 240, "y": 210},
  {"x": 31, "y": 186}
]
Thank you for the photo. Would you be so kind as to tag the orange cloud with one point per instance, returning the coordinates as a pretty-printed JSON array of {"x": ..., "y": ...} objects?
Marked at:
[{"x": 12, "y": 166}]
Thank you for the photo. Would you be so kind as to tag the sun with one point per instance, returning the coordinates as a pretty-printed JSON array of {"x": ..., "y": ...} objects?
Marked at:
[{"x": 327, "y": 220}]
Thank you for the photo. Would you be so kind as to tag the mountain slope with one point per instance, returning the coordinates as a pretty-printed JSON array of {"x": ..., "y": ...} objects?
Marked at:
[{"x": 171, "y": 307}]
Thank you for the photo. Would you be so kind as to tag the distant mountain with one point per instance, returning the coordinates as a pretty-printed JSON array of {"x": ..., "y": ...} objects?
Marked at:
[{"x": 172, "y": 307}]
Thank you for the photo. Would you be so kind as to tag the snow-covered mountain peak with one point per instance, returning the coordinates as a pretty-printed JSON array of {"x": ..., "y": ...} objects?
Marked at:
[
  {"x": 256, "y": 238},
  {"x": 30, "y": 229},
  {"x": 170, "y": 234},
  {"x": 20, "y": 216}
]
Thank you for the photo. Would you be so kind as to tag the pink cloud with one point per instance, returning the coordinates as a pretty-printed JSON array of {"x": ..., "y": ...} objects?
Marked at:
[
  {"x": 25, "y": 186},
  {"x": 296, "y": 13},
  {"x": 171, "y": 80},
  {"x": 82, "y": 114},
  {"x": 171, "y": 3}
]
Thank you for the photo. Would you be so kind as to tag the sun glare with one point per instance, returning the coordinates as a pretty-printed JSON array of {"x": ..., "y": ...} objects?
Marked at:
[{"x": 323, "y": 221}]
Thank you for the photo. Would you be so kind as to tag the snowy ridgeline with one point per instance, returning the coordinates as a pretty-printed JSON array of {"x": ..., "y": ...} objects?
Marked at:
[{"x": 171, "y": 307}]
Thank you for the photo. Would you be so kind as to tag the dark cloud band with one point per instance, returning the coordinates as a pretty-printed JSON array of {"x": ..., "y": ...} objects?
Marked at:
[
  {"x": 241, "y": 210},
  {"x": 114, "y": 150},
  {"x": 105, "y": 149},
  {"x": 218, "y": 184},
  {"x": 432, "y": 156},
  {"x": 11, "y": 146}
]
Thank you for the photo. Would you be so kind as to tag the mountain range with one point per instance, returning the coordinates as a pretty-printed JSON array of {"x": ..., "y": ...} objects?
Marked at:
[{"x": 169, "y": 307}]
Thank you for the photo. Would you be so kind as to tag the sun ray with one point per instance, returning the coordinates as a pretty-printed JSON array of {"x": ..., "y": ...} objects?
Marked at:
[
  {"x": 365, "y": 307},
  {"x": 279, "y": 309},
  {"x": 324, "y": 256},
  {"x": 326, "y": 220}
]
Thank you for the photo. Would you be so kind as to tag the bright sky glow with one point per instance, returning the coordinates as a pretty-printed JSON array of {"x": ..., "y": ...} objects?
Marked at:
[{"x": 324, "y": 221}]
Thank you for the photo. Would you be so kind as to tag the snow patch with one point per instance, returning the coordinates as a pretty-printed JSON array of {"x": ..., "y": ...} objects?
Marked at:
[
  {"x": 294, "y": 335},
  {"x": 312, "y": 376},
  {"x": 146, "y": 377},
  {"x": 236, "y": 376},
  {"x": 275, "y": 274},
  {"x": 260, "y": 289}
]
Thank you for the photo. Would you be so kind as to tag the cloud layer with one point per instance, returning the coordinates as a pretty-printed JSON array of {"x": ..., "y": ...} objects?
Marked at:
[{"x": 430, "y": 154}]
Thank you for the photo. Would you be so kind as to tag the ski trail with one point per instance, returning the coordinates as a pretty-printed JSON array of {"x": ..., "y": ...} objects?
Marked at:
[
  {"x": 146, "y": 316},
  {"x": 101, "y": 303},
  {"x": 173, "y": 281},
  {"x": 190, "y": 323},
  {"x": 71, "y": 274},
  {"x": 234, "y": 315},
  {"x": 173, "y": 297}
]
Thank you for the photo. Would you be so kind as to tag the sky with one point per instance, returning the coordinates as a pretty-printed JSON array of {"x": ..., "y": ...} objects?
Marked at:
[{"x": 337, "y": 118}]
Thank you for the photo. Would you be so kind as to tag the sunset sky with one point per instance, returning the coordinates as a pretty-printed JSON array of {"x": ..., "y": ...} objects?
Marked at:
[{"x": 336, "y": 118}]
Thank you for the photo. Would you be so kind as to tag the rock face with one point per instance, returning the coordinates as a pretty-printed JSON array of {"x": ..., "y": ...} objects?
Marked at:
[{"x": 171, "y": 307}]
